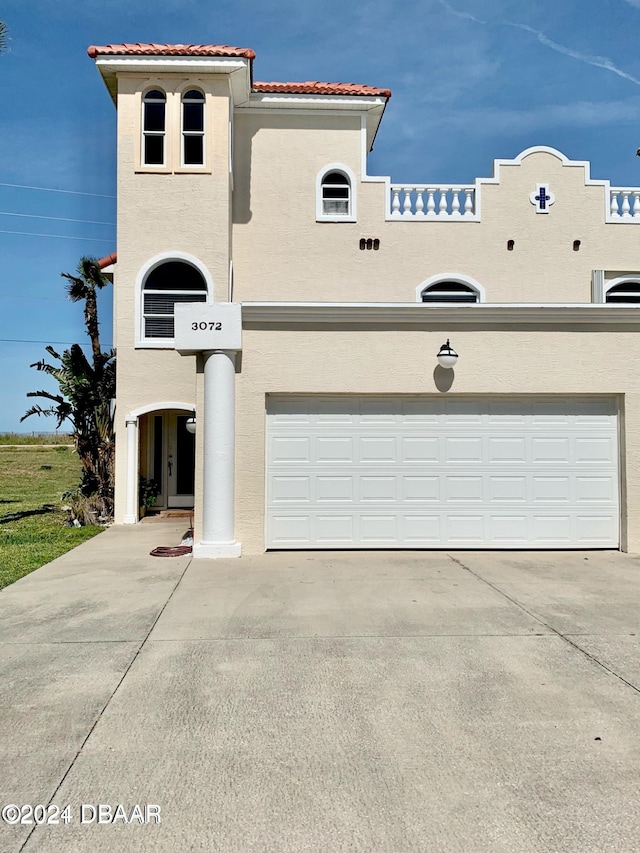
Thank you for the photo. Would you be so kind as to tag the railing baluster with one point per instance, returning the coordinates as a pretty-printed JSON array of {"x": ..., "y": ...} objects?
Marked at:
[
  {"x": 419, "y": 202},
  {"x": 395, "y": 203},
  {"x": 431, "y": 202},
  {"x": 636, "y": 205},
  {"x": 468, "y": 203},
  {"x": 626, "y": 207},
  {"x": 614, "y": 204},
  {"x": 455, "y": 202},
  {"x": 444, "y": 202},
  {"x": 407, "y": 201}
]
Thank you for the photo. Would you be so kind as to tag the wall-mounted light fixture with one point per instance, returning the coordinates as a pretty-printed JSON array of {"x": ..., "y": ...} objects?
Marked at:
[
  {"x": 447, "y": 356},
  {"x": 191, "y": 424},
  {"x": 510, "y": 245},
  {"x": 576, "y": 245}
]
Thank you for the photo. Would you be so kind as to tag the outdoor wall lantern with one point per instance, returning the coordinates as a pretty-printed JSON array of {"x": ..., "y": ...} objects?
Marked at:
[
  {"x": 447, "y": 356},
  {"x": 191, "y": 424}
]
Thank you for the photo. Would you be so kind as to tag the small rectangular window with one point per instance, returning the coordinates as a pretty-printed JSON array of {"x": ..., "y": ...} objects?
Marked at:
[
  {"x": 193, "y": 150},
  {"x": 154, "y": 150},
  {"x": 193, "y": 117}
]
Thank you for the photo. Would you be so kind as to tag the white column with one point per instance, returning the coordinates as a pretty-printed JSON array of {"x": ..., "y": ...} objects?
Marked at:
[
  {"x": 130, "y": 514},
  {"x": 218, "y": 435}
]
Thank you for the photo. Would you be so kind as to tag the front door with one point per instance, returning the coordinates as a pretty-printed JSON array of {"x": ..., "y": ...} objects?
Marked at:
[{"x": 181, "y": 458}]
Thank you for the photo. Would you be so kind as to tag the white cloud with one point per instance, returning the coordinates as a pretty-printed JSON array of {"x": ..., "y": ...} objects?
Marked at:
[{"x": 596, "y": 61}]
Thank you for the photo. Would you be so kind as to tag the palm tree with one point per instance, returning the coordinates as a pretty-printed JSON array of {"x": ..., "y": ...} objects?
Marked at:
[
  {"x": 3, "y": 36},
  {"x": 86, "y": 388}
]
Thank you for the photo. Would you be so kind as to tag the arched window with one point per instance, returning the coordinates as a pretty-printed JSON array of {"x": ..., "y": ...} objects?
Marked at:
[
  {"x": 626, "y": 293},
  {"x": 154, "y": 107},
  {"x": 193, "y": 128},
  {"x": 449, "y": 291},
  {"x": 167, "y": 284},
  {"x": 336, "y": 194}
]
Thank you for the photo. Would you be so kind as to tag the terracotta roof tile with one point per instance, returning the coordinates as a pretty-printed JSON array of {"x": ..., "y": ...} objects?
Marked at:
[
  {"x": 107, "y": 260},
  {"x": 170, "y": 50},
  {"x": 314, "y": 87}
]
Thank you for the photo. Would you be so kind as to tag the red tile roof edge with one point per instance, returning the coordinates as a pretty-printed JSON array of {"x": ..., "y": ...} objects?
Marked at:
[
  {"x": 315, "y": 87},
  {"x": 107, "y": 260},
  {"x": 310, "y": 87},
  {"x": 152, "y": 49}
]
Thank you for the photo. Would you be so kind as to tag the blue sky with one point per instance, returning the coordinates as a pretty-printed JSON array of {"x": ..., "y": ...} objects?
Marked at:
[{"x": 472, "y": 80}]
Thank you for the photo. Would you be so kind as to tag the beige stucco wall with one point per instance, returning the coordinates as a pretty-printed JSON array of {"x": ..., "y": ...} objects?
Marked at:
[
  {"x": 292, "y": 257},
  {"x": 403, "y": 362},
  {"x": 161, "y": 211},
  {"x": 280, "y": 253}
]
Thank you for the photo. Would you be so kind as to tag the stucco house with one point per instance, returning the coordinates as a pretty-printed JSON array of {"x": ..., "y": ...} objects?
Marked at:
[{"x": 290, "y": 310}]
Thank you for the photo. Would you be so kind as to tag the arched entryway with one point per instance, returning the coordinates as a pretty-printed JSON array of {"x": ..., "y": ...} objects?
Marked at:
[{"x": 161, "y": 458}]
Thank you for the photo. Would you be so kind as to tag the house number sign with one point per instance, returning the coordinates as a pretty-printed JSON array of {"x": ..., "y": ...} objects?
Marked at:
[{"x": 200, "y": 327}]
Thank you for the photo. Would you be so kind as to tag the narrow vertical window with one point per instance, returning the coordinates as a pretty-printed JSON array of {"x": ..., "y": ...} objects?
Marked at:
[
  {"x": 193, "y": 128},
  {"x": 153, "y": 128}
]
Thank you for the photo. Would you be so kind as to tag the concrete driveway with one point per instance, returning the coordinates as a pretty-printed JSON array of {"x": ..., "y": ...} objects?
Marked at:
[{"x": 402, "y": 701}]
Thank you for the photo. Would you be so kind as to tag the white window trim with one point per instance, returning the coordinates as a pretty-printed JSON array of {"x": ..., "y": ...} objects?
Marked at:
[
  {"x": 163, "y": 343},
  {"x": 459, "y": 278},
  {"x": 621, "y": 279},
  {"x": 196, "y": 167},
  {"x": 163, "y": 134},
  {"x": 346, "y": 171}
]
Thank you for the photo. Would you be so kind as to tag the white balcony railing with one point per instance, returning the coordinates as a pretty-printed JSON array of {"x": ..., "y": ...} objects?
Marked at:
[
  {"x": 424, "y": 201},
  {"x": 436, "y": 202},
  {"x": 624, "y": 204}
]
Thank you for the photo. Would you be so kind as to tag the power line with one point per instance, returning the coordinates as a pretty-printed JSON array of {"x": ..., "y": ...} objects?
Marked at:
[
  {"x": 61, "y": 343},
  {"x": 51, "y": 190},
  {"x": 58, "y": 236},
  {"x": 56, "y": 218}
]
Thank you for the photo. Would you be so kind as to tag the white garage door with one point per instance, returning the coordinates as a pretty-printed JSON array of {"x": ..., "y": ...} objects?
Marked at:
[{"x": 419, "y": 472}]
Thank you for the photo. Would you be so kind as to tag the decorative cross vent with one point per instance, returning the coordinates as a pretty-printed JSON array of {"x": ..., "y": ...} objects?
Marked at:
[{"x": 542, "y": 197}]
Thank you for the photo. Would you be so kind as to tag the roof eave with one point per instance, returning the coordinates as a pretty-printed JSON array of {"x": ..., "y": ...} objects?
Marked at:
[{"x": 238, "y": 68}]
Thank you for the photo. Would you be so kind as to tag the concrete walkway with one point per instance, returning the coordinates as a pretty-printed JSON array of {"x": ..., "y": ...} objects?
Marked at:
[{"x": 403, "y": 701}]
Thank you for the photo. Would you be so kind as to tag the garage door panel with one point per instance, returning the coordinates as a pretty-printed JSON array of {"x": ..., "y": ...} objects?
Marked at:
[
  {"x": 593, "y": 450},
  {"x": 291, "y": 449},
  {"x": 414, "y": 412},
  {"x": 512, "y": 529},
  {"x": 548, "y": 449},
  {"x": 379, "y": 528},
  {"x": 334, "y": 489},
  {"x": 378, "y": 449},
  {"x": 600, "y": 490},
  {"x": 463, "y": 449},
  {"x": 435, "y": 472},
  {"x": 508, "y": 489},
  {"x": 291, "y": 490},
  {"x": 335, "y": 529},
  {"x": 595, "y": 528},
  {"x": 464, "y": 489},
  {"x": 420, "y": 449},
  {"x": 465, "y": 529},
  {"x": 463, "y": 412},
  {"x": 551, "y": 490},
  {"x": 422, "y": 530},
  {"x": 507, "y": 449},
  {"x": 334, "y": 449},
  {"x": 420, "y": 489}
]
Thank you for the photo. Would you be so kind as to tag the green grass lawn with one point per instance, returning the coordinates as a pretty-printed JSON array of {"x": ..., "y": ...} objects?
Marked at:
[
  {"x": 32, "y": 523},
  {"x": 34, "y": 438}
]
